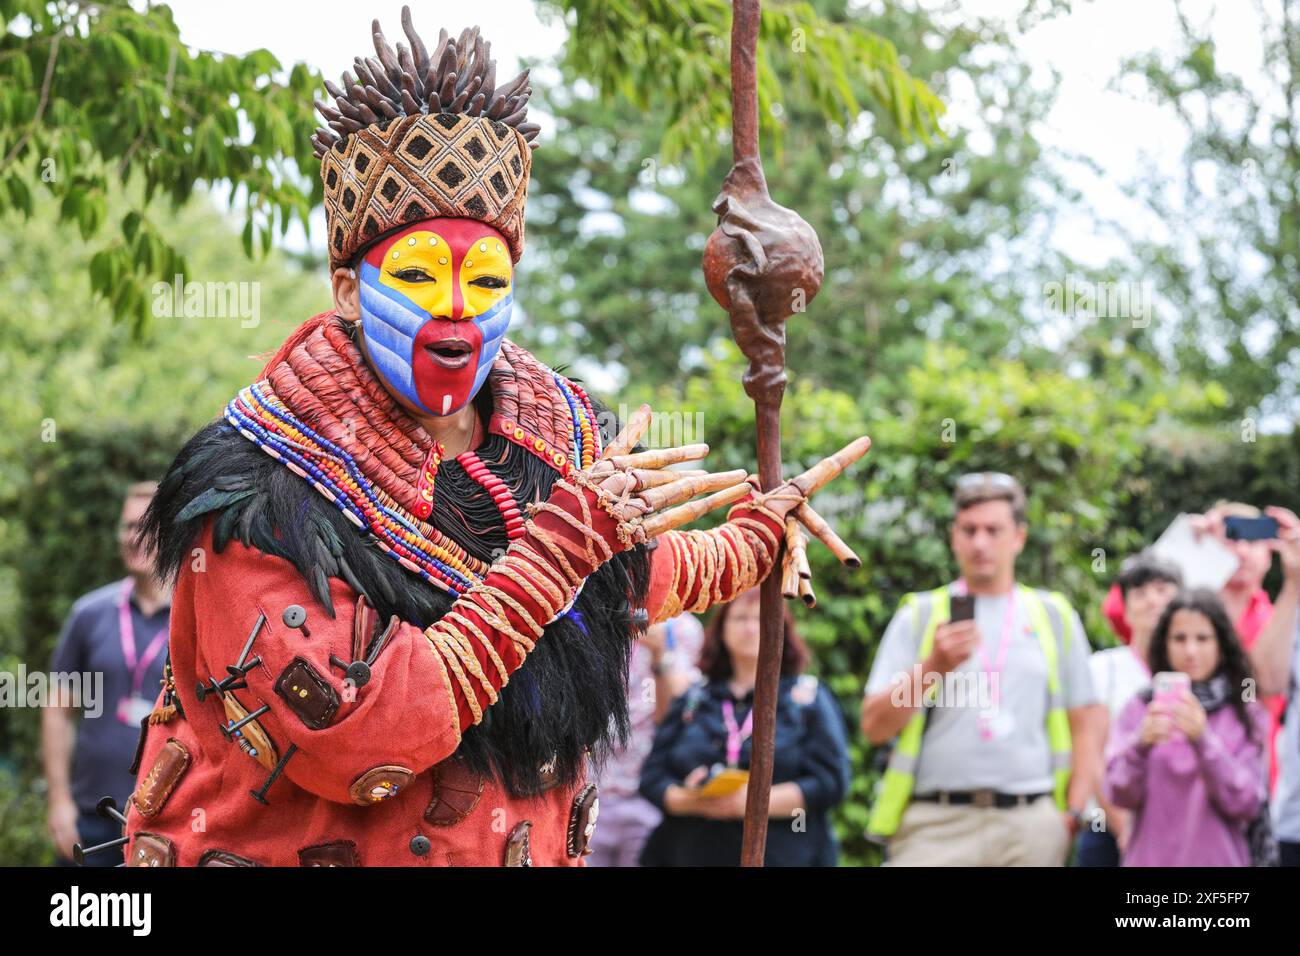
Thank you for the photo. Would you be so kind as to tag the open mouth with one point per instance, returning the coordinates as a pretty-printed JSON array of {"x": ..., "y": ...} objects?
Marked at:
[{"x": 450, "y": 353}]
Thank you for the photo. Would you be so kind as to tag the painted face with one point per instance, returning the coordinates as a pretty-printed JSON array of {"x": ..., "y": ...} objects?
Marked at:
[{"x": 435, "y": 304}]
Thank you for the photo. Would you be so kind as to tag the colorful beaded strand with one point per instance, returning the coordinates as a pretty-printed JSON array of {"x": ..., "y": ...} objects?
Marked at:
[{"x": 397, "y": 536}]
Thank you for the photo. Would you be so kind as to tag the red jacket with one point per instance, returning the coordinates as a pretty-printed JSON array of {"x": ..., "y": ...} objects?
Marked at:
[
  {"x": 372, "y": 781},
  {"x": 285, "y": 764}
]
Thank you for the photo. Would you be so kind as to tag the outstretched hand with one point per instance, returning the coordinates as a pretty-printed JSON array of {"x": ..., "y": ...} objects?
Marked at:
[
  {"x": 789, "y": 502},
  {"x": 639, "y": 491},
  {"x": 645, "y": 498}
]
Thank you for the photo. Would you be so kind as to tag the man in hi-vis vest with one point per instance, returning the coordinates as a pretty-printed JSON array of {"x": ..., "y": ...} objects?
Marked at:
[{"x": 990, "y": 708}]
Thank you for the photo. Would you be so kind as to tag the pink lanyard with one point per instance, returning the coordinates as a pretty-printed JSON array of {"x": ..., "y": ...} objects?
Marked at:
[
  {"x": 1008, "y": 622},
  {"x": 126, "y": 628},
  {"x": 735, "y": 735},
  {"x": 1141, "y": 660}
]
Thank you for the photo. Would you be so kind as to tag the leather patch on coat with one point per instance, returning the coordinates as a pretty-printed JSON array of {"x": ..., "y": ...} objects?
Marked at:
[
  {"x": 364, "y": 623},
  {"x": 338, "y": 853},
  {"x": 224, "y": 858},
  {"x": 150, "y": 849},
  {"x": 456, "y": 792},
  {"x": 582, "y": 821},
  {"x": 168, "y": 768},
  {"x": 252, "y": 734},
  {"x": 379, "y": 784},
  {"x": 518, "y": 850},
  {"x": 307, "y": 694}
]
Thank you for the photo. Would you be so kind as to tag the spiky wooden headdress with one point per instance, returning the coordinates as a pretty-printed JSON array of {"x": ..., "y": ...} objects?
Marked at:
[{"x": 412, "y": 136}]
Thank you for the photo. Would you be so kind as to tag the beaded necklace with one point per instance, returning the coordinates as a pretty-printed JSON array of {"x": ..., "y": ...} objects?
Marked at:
[
  {"x": 585, "y": 443},
  {"x": 586, "y": 434},
  {"x": 262, "y": 418}
]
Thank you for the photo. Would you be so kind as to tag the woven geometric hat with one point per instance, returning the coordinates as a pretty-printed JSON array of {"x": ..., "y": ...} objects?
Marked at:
[{"x": 412, "y": 137}]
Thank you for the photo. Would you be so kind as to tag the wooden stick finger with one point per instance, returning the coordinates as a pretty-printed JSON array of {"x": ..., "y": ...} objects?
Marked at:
[
  {"x": 789, "y": 577},
  {"x": 826, "y": 469},
  {"x": 789, "y": 564},
  {"x": 796, "y": 545},
  {"x": 626, "y": 440},
  {"x": 826, "y": 535},
  {"x": 686, "y": 488},
  {"x": 653, "y": 478},
  {"x": 806, "y": 592},
  {"x": 660, "y": 457},
  {"x": 791, "y": 534},
  {"x": 657, "y": 524}
]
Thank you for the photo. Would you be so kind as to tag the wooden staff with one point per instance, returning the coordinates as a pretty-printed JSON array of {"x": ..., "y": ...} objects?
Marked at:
[{"x": 762, "y": 264}]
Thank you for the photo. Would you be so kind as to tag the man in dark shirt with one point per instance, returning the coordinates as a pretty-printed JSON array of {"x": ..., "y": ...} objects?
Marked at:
[{"x": 118, "y": 631}]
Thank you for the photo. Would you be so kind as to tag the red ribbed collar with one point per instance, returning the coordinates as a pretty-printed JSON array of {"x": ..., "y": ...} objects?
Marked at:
[{"x": 324, "y": 381}]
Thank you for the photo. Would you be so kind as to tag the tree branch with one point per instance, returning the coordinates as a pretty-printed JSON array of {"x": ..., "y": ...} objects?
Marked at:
[
  {"x": 167, "y": 94},
  {"x": 40, "y": 105}
]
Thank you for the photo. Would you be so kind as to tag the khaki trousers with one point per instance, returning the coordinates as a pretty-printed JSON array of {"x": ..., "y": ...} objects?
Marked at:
[{"x": 932, "y": 834}]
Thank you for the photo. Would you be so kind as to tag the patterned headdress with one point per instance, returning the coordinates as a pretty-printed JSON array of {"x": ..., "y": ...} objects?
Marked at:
[{"x": 413, "y": 136}]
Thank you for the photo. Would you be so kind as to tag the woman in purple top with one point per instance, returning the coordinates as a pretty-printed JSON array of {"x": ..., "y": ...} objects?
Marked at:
[{"x": 1192, "y": 769}]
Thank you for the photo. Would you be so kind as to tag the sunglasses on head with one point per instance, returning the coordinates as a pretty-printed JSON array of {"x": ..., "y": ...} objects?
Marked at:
[{"x": 987, "y": 479}]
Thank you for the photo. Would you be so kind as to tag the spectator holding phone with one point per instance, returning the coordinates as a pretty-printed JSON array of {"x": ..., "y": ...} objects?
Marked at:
[
  {"x": 1190, "y": 762},
  {"x": 1001, "y": 776},
  {"x": 1276, "y": 659},
  {"x": 1247, "y": 604},
  {"x": 707, "y": 733},
  {"x": 1148, "y": 584}
]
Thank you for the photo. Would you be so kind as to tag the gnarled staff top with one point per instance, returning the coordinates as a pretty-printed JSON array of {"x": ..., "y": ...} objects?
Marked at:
[{"x": 458, "y": 78}]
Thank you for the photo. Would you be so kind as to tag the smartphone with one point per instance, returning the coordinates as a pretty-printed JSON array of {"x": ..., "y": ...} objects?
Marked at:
[
  {"x": 963, "y": 607},
  {"x": 1169, "y": 686},
  {"x": 1262, "y": 528}
]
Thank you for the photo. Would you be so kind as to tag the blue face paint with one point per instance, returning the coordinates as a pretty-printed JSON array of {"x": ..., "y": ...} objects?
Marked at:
[{"x": 392, "y": 323}]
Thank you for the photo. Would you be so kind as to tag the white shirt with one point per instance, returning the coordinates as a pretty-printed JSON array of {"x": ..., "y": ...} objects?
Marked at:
[{"x": 1117, "y": 676}]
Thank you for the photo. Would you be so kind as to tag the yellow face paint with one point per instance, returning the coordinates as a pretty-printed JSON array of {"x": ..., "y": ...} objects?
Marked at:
[
  {"x": 419, "y": 266},
  {"x": 485, "y": 257},
  {"x": 423, "y": 267}
]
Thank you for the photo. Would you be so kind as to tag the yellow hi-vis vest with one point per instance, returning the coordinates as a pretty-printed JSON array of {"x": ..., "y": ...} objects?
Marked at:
[{"x": 895, "y": 787}]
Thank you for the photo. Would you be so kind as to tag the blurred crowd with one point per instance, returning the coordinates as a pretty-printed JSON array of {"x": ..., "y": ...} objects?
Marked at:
[{"x": 1000, "y": 736}]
